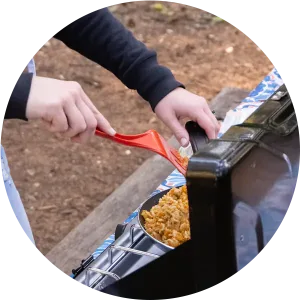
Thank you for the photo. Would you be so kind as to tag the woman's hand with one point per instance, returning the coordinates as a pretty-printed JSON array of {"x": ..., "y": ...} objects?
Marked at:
[
  {"x": 65, "y": 108},
  {"x": 181, "y": 104}
]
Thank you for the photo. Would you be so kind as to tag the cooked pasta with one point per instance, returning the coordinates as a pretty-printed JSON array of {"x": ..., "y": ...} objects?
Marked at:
[{"x": 168, "y": 221}]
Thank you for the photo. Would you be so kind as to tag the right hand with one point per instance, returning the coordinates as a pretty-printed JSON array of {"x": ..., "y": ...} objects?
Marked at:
[{"x": 65, "y": 108}]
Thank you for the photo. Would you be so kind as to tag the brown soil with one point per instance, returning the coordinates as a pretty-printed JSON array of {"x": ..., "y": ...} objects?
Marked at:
[{"x": 60, "y": 182}]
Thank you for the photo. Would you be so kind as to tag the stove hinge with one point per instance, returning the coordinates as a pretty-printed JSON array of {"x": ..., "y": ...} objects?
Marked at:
[{"x": 84, "y": 264}]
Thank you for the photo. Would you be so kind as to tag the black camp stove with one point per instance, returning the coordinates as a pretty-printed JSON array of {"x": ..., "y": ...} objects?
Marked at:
[{"x": 239, "y": 186}]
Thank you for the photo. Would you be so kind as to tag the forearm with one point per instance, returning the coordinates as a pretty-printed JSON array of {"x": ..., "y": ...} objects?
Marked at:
[{"x": 103, "y": 39}]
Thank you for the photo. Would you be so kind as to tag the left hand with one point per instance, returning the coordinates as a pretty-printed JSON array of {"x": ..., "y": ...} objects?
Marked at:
[{"x": 180, "y": 104}]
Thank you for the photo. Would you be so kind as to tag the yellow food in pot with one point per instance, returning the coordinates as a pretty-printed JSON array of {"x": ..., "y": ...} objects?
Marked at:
[{"x": 168, "y": 221}]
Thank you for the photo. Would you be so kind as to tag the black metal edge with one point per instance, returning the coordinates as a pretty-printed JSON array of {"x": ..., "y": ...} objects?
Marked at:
[
  {"x": 212, "y": 225},
  {"x": 259, "y": 233},
  {"x": 119, "y": 230},
  {"x": 84, "y": 264}
]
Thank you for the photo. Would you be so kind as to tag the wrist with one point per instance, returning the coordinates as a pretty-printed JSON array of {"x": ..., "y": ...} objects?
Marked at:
[
  {"x": 163, "y": 90},
  {"x": 31, "y": 111},
  {"x": 168, "y": 97}
]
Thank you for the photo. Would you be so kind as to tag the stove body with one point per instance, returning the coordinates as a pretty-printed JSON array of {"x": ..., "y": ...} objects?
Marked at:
[{"x": 239, "y": 186}]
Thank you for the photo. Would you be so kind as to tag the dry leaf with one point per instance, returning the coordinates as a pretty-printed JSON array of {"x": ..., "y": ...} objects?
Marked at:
[
  {"x": 217, "y": 19},
  {"x": 158, "y": 6}
]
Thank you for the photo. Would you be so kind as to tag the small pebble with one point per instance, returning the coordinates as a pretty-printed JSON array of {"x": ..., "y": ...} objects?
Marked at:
[
  {"x": 152, "y": 120},
  {"x": 31, "y": 172},
  {"x": 127, "y": 152},
  {"x": 30, "y": 198},
  {"x": 161, "y": 40},
  {"x": 98, "y": 162},
  {"x": 36, "y": 184},
  {"x": 229, "y": 50},
  {"x": 248, "y": 65},
  {"x": 113, "y": 8},
  {"x": 169, "y": 31},
  {"x": 48, "y": 44},
  {"x": 61, "y": 76}
]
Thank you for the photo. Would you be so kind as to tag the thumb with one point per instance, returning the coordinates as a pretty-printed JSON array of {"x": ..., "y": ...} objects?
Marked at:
[{"x": 179, "y": 131}]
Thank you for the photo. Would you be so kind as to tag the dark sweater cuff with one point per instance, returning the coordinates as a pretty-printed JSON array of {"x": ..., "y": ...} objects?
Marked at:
[
  {"x": 16, "y": 108},
  {"x": 155, "y": 81},
  {"x": 163, "y": 89}
]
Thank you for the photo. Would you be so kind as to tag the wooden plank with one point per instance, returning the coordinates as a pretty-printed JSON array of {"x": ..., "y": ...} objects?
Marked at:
[
  {"x": 226, "y": 100},
  {"x": 97, "y": 226}
]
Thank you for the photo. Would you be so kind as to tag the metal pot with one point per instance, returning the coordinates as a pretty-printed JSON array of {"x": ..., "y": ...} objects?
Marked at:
[{"x": 147, "y": 205}]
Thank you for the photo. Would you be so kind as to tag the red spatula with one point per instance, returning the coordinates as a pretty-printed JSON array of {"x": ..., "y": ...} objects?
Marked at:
[{"x": 152, "y": 141}]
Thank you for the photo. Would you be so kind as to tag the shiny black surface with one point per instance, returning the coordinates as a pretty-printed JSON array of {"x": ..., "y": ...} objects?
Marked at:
[
  {"x": 263, "y": 181},
  {"x": 239, "y": 192},
  {"x": 198, "y": 137}
]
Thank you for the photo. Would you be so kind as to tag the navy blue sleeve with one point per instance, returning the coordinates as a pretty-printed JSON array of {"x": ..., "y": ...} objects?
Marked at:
[
  {"x": 100, "y": 37},
  {"x": 16, "y": 108}
]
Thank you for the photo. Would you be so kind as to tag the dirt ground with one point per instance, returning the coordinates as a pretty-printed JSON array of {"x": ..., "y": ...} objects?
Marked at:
[{"x": 60, "y": 182}]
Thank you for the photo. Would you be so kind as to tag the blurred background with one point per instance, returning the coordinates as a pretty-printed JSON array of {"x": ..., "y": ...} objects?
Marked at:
[{"x": 61, "y": 183}]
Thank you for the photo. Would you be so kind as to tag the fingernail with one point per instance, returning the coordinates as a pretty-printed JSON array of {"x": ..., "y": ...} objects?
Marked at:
[
  {"x": 188, "y": 145},
  {"x": 183, "y": 142},
  {"x": 111, "y": 132}
]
